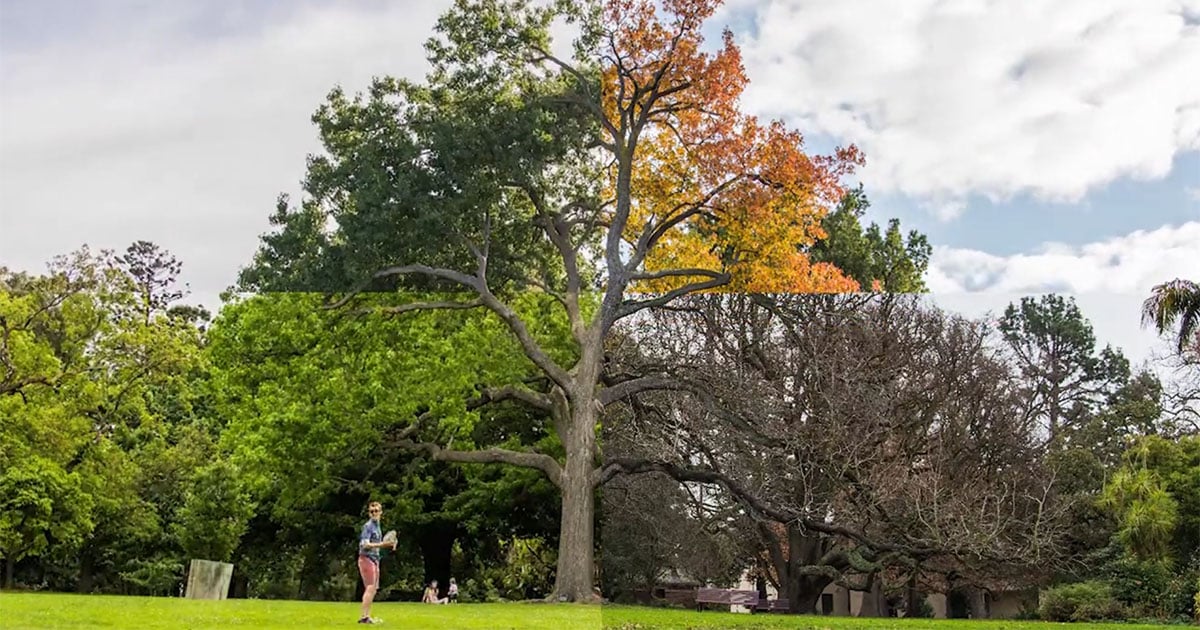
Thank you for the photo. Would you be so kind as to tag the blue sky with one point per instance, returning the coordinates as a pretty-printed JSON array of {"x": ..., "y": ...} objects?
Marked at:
[
  {"x": 1025, "y": 223},
  {"x": 1041, "y": 145}
]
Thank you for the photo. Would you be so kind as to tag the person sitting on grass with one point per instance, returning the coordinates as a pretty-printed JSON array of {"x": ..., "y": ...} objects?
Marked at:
[
  {"x": 369, "y": 544},
  {"x": 452, "y": 592},
  {"x": 431, "y": 595}
]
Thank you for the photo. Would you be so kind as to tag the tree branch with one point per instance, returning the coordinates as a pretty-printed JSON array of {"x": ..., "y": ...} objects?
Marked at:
[
  {"x": 636, "y": 466},
  {"x": 675, "y": 273},
  {"x": 510, "y": 317},
  {"x": 630, "y": 307},
  {"x": 544, "y": 463},
  {"x": 635, "y": 386},
  {"x": 511, "y": 392},
  {"x": 419, "y": 306}
]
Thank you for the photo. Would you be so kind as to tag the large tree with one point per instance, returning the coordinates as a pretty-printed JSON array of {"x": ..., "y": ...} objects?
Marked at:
[
  {"x": 1066, "y": 378},
  {"x": 846, "y": 426},
  {"x": 516, "y": 166}
]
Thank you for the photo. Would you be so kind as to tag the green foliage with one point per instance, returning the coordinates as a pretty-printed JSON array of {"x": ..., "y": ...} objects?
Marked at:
[
  {"x": 41, "y": 505},
  {"x": 214, "y": 513},
  {"x": 104, "y": 377},
  {"x": 313, "y": 398},
  {"x": 1196, "y": 601},
  {"x": 406, "y": 164},
  {"x": 1067, "y": 379},
  {"x": 526, "y": 571},
  {"x": 156, "y": 576},
  {"x": 873, "y": 254},
  {"x": 1176, "y": 300},
  {"x": 1142, "y": 586},
  {"x": 1083, "y": 601},
  {"x": 924, "y": 610},
  {"x": 1155, "y": 497}
]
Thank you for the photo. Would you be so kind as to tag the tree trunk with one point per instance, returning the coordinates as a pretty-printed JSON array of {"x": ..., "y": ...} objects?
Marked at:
[
  {"x": 87, "y": 572},
  {"x": 803, "y": 591},
  {"x": 807, "y": 594},
  {"x": 576, "y": 548},
  {"x": 8, "y": 573}
]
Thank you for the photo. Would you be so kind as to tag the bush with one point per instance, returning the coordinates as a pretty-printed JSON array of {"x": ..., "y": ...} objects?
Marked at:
[
  {"x": 1084, "y": 601},
  {"x": 1179, "y": 598},
  {"x": 1152, "y": 589},
  {"x": 1196, "y": 601}
]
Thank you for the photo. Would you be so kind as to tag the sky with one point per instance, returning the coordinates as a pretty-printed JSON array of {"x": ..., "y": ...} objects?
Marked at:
[{"x": 1042, "y": 145}]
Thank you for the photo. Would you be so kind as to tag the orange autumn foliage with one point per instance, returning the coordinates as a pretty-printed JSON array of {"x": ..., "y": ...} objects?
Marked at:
[{"x": 721, "y": 190}]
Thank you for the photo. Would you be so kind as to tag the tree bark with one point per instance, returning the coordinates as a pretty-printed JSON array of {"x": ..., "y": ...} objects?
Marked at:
[
  {"x": 912, "y": 596},
  {"x": 8, "y": 573},
  {"x": 804, "y": 590},
  {"x": 576, "y": 542},
  {"x": 805, "y": 597}
]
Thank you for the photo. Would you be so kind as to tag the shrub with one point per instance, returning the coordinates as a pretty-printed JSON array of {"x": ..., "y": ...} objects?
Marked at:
[
  {"x": 1196, "y": 601},
  {"x": 1141, "y": 585},
  {"x": 1083, "y": 601}
]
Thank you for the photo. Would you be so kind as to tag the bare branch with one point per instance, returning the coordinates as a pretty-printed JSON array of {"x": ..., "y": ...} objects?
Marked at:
[
  {"x": 631, "y": 307},
  {"x": 675, "y": 273},
  {"x": 635, "y": 466},
  {"x": 635, "y": 386},
  {"x": 531, "y": 347},
  {"x": 419, "y": 306},
  {"x": 512, "y": 392}
]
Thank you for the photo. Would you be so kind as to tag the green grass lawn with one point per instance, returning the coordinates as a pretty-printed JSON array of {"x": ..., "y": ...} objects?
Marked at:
[
  {"x": 21, "y": 611},
  {"x": 50, "y": 610},
  {"x": 633, "y": 618}
]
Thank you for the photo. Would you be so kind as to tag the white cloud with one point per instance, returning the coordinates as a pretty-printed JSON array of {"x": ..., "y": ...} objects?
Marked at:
[
  {"x": 1132, "y": 263},
  {"x": 1193, "y": 192},
  {"x": 138, "y": 128},
  {"x": 1052, "y": 98}
]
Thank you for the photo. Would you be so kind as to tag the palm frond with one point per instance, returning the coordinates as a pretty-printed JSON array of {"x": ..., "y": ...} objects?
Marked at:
[{"x": 1175, "y": 301}]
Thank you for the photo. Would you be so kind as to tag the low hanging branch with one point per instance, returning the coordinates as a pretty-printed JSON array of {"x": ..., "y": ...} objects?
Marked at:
[{"x": 542, "y": 462}]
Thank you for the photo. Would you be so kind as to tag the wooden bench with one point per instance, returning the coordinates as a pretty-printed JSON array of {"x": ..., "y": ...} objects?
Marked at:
[
  {"x": 685, "y": 597},
  {"x": 772, "y": 605},
  {"x": 726, "y": 597}
]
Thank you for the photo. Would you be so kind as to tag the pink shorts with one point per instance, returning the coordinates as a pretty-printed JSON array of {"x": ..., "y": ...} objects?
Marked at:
[{"x": 369, "y": 570}]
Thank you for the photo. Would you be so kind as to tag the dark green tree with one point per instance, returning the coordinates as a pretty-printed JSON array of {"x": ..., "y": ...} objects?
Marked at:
[
  {"x": 1066, "y": 379},
  {"x": 883, "y": 260}
]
